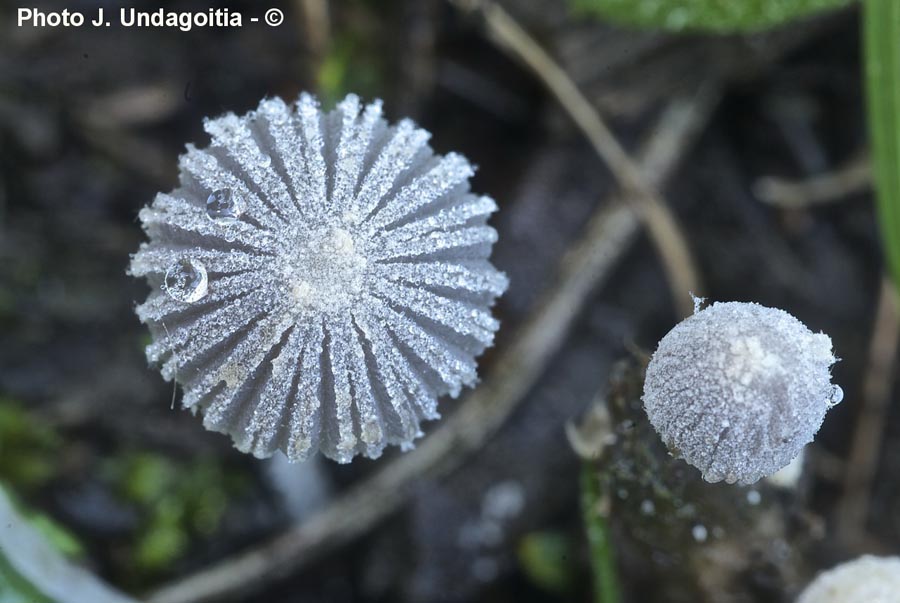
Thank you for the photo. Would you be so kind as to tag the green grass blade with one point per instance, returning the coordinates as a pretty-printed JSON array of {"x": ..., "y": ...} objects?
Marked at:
[
  {"x": 594, "y": 508},
  {"x": 881, "y": 40}
]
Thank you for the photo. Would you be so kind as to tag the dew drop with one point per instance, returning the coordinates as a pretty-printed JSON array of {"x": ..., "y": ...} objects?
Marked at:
[
  {"x": 837, "y": 394},
  {"x": 186, "y": 281},
  {"x": 223, "y": 204}
]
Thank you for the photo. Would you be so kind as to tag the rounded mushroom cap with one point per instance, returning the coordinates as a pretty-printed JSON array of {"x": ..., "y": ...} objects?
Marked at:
[
  {"x": 738, "y": 389},
  {"x": 867, "y": 579}
]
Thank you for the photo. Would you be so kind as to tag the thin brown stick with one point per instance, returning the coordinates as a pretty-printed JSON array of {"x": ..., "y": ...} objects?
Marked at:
[
  {"x": 661, "y": 224},
  {"x": 849, "y": 179},
  {"x": 315, "y": 26},
  {"x": 862, "y": 464},
  {"x": 518, "y": 366}
]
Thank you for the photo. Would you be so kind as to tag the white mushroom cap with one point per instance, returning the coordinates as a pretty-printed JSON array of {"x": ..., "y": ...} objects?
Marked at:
[
  {"x": 867, "y": 579},
  {"x": 320, "y": 279},
  {"x": 738, "y": 389}
]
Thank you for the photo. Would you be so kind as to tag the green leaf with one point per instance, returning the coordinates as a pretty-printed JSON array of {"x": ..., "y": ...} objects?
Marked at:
[
  {"x": 881, "y": 39},
  {"x": 32, "y": 570},
  {"x": 16, "y": 589},
  {"x": 717, "y": 16},
  {"x": 56, "y": 534}
]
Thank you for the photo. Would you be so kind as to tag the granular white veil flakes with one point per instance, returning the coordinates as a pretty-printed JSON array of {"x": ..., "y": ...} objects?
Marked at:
[
  {"x": 319, "y": 279},
  {"x": 738, "y": 389}
]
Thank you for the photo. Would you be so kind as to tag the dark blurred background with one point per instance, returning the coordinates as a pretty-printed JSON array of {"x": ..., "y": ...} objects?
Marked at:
[{"x": 91, "y": 124}]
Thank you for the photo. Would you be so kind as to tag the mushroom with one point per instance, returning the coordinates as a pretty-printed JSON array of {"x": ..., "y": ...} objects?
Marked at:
[
  {"x": 867, "y": 579},
  {"x": 738, "y": 389},
  {"x": 319, "y": 279}
]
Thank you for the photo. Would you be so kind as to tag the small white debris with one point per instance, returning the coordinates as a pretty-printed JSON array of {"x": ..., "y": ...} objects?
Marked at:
[
  {"x": 754, "y": 497},
  {"x": 504, "y": 501},
  {"x": 699, "y": 533}
]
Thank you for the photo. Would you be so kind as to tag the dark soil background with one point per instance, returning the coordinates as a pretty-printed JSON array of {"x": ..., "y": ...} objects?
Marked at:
[{"x": 91, "y": 124}]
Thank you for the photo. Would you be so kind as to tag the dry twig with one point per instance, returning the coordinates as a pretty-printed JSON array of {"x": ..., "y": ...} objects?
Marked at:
[
  {"x": 315, "y": 28},
  {"x": 661, "y": 225},
  {"x": 517, "y": 367},
  {"x": 849, "y": 179}
]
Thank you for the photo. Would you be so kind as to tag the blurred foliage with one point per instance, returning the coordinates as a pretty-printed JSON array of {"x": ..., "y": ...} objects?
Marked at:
[
  {"x": 717, "y": 16},
  {"x": 881, "y": 32},
  {"x": 16, "y": 589},
  {"x": 547, "y": 559},
  {"x": 62, "y": 539},
  {"x": 595, "y": 510},
  {"x": 28, "y": 448},
  {"x": 177, "y": 501},
  {"x": 349, "y": 67},
  {"x": 355, "y": 60}
]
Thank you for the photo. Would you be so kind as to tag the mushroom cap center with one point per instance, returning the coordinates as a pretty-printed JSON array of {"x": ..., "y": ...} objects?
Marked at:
[{"x": 328, "y": 271}]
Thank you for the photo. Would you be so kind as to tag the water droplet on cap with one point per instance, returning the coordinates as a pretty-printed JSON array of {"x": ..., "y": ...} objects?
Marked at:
[
  {"x": 223, "y": 204},
  {"x": 186, "y": 281},
  {"x": 837, "y": 394}
]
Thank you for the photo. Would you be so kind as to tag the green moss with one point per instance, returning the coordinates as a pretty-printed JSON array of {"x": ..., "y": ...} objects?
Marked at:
[
  {"x": 176, "y": 499},
  {"x": 165, "y": 538}
]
